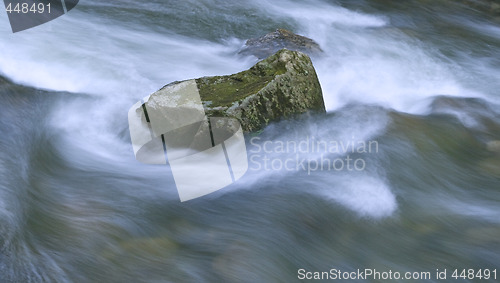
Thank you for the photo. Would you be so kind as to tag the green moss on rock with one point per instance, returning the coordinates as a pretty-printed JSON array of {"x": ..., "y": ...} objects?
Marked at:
[
  {"x": 224, "y": 90},
  {"x": 278, "y": 87}
]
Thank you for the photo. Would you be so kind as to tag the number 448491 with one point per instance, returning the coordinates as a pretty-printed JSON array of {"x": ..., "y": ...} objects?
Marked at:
[
  {"x": 25, "y": 8},
  {"x": 470, "y": 274}
]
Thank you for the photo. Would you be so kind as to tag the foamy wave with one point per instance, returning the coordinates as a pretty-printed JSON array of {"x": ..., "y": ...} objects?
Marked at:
[
  {"x": 86, "y": 54},
  {"x": 318, "y": 14},
  {"x": 365, "y": 195}
]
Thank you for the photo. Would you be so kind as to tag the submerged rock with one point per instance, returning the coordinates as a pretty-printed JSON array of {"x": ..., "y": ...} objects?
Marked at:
[
  {"x": 280, "y": 86},
  {"x": 270, "y": 43},
  {"x": 490, "y": 166},
  {"x": 493, "y": 146}
]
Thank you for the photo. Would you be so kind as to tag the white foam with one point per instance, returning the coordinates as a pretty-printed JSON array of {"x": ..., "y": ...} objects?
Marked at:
[
  {"x": 316, "y": 13},
  {"x": 367, "y": 196},
  {"x": 373, "y": 67},
  {"x": 85, "y": 54}
]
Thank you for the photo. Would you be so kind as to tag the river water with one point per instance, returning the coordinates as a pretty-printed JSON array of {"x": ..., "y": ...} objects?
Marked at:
[{"x": 418, "y": 79}]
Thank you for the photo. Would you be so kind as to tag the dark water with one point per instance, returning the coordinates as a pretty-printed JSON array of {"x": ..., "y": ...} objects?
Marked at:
[{"x": 419, "y": 78}]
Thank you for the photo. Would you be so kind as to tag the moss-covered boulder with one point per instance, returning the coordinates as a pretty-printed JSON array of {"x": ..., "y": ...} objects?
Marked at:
[
  {"x": 280, "y": 86},
  {"x": 270, "y": 43},
  {"x": 283, "y": 85}
]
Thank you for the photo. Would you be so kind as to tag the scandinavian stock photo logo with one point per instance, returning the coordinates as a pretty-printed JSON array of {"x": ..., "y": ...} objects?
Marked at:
[
  {"x": 310, "y": 154},
  {"x": 205, "y": 154}
]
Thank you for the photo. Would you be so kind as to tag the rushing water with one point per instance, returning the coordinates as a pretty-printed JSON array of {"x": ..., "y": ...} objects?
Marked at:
[{"x": 419, "y": 78}]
